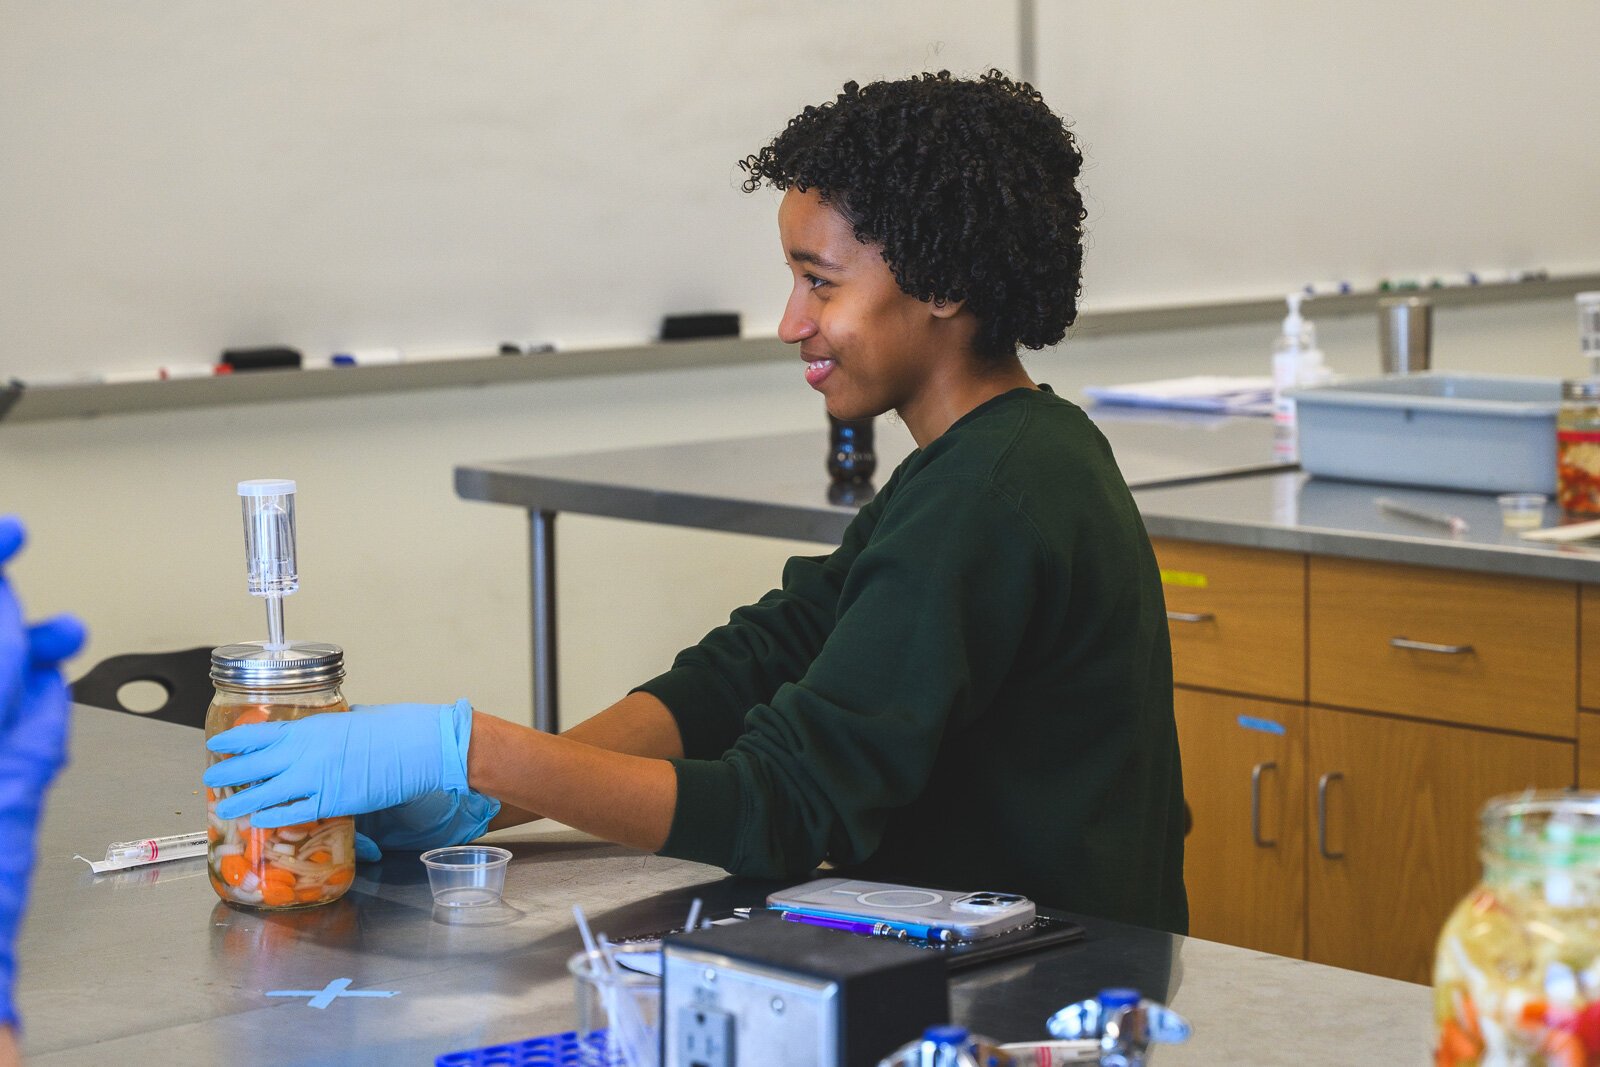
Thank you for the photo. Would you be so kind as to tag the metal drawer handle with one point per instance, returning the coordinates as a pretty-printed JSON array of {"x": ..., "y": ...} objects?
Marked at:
[
  {"x": 1322, "y": 814},
  {"x": 1255, "y": 803},
  {"x": 1425, "y": 646},
  {"x": 1190, "y": 616}
]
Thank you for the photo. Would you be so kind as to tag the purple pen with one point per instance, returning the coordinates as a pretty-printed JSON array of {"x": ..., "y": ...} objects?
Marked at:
[{"x": 853, "y": 926}]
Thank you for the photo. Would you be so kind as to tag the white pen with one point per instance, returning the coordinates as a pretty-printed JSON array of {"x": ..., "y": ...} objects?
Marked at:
[{"x": 1455, "y": 523}]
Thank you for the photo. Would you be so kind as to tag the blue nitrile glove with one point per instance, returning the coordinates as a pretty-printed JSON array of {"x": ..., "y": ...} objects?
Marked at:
[
  {"x": 368, "y": 758},
  {"x": 433, "y": 820},
  {"x": 33, "y": 745}
]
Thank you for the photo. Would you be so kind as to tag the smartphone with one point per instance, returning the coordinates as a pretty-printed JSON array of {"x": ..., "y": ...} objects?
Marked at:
[{"x": 934, "y": 914}]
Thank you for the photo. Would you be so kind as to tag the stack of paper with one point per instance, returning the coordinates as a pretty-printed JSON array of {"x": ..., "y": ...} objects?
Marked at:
[{"x": 1213, "y": 393}]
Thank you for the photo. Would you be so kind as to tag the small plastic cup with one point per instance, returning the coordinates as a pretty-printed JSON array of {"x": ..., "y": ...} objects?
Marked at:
[
  {"x": 466, "y": 876},
  {"x": 619, "y": 1010},
  {"x": 1521, "y": 511}
]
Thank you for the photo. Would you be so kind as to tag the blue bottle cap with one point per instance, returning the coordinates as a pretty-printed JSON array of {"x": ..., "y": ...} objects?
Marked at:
[
  {"x": 946, "y": 1035},
  {"x": 1111, "y": 999}
]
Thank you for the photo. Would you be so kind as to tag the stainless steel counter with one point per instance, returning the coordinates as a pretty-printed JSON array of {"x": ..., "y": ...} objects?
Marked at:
[
  {"x": 777, "y": 485},
  {"x": 148, "y": 966},
  {"x": 1295, "y": 512}
]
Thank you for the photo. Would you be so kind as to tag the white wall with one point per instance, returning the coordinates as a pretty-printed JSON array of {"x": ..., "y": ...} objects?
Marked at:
[
  {"x": 136, "y": 523},
  {"x": 182, "y": 176}
]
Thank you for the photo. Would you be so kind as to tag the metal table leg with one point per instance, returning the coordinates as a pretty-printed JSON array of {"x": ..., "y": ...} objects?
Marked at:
[{"x": 542, "y": 566}]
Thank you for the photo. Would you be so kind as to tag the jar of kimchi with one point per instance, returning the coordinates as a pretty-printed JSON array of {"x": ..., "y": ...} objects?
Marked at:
[
  {"x": 1578, "y": 448},
  {"x": 1516, "y": 979},
  {"x": 295, "y": 866}
]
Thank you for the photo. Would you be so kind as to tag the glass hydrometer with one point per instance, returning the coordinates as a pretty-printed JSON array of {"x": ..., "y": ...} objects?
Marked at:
[{"x": 268, "y": 505}]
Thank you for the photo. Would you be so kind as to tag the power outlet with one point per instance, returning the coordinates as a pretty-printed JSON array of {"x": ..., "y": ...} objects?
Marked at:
[{"x": 705, "y": 1037}]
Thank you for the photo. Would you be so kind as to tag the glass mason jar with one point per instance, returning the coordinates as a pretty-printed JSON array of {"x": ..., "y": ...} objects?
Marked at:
[
  {"x": 295, "y": 866},
  {"x": 1516, "y": 979},
  {"x": 1578, "y": 448}
]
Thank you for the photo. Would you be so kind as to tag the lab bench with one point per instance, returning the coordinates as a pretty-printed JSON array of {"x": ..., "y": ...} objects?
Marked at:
[{"x": 146, "y": 964}]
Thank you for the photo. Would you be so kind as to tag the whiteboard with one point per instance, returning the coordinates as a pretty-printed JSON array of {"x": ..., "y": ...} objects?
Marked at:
[
  {"x": 1241, "y": 148},
  {"x": 183, "y": 176}
]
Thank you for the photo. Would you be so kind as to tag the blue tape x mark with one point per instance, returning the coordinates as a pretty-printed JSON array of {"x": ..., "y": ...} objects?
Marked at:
[{"x": 339, "y": 987}]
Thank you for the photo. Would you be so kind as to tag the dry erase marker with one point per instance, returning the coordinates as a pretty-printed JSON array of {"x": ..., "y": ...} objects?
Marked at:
[
  {"x": 364, "y": 357},
  {"x": 119, "y": 377},
  {"x": 1328, "y": 288},
  {"x": 188, "y": 370}
]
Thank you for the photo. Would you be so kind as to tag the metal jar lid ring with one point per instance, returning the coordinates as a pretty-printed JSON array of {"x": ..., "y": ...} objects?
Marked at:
[{"x": 302, "y": 664}]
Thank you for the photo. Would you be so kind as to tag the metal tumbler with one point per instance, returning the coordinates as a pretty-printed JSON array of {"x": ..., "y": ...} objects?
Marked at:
[{"x": 1405, "y": 334}]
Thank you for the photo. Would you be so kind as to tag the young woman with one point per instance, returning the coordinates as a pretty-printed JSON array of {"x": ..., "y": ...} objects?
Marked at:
[{"x": 974, "y": 690}]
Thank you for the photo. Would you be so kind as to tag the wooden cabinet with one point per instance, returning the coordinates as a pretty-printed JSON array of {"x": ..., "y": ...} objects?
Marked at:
[
  {"x": 1589, "y": 646},
  {"x": 1392, "y": 810},
  {"x": 1244, "y": 780},
  {"x": 1337, "y": 820}
]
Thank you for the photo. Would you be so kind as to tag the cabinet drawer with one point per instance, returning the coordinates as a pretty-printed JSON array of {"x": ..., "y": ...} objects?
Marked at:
[
  {"x": 1483, "y": 650},
  {"x": 1237, "y": 617},
  {"x": 1589, "y": 646}
]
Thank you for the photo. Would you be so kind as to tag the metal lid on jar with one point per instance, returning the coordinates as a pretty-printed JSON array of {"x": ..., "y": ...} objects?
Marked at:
[
  {"x": 299, "y": 665},
  {"x": 1581, "y": 389}
]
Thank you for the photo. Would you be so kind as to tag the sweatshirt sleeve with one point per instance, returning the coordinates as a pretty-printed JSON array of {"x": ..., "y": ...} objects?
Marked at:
[
  {"x": 930, "y": 619},
  {"x": 713, "y": 684}
]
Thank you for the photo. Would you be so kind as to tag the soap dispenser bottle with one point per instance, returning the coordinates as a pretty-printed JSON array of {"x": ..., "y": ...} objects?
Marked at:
[{"x": 1296, "y": 361}]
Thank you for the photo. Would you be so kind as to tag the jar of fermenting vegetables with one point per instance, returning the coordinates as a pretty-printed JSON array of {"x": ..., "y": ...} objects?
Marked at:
[
  {"x": 1516, "y": 979},
  {"x": 291, "y": 866},
  {"x": 1578, "y": 448}
]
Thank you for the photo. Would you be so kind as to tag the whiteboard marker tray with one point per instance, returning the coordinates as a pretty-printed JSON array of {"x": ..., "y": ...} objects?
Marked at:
[{"x": 1477, "y": 432}]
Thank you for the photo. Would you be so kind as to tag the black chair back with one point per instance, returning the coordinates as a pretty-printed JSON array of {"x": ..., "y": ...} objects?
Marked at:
[{"x": 185, "y": 675}]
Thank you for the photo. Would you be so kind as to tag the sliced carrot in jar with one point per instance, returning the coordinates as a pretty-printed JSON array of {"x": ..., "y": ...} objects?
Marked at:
[
  {"x": 275, "y": 895},
  {"x": 278, "y": 876},
  {"x": 321, "y": 855},
  {"x": 251, "y": 715},
  {"x": 234, "y": 868},
  {"x": 342, "y": 876},
  {"x": 309, "y": 894}
]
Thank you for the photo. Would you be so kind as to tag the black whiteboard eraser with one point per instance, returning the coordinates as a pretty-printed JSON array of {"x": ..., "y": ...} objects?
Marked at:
[
  {"x": 705, "y": 324},
  {"x": 273, "y": 357}
]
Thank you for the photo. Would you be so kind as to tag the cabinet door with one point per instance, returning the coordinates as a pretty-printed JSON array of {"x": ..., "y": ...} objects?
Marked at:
[
  {"x": 1244, "y": 858},
  {"x": 1393, "y": 817}
]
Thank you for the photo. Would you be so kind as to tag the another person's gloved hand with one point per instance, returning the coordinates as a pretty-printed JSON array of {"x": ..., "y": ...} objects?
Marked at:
[
  {"x": 433, "y": 820},
  {"x": 366, "y": 759},
  {"x": 33, "y": 745}
]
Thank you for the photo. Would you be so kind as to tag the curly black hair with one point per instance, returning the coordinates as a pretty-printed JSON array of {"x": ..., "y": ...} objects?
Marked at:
[{"x": 967, "y": 188}]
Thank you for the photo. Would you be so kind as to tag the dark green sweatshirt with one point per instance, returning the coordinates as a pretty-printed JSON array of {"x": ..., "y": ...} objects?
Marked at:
[{"x": 974, "y": 691}]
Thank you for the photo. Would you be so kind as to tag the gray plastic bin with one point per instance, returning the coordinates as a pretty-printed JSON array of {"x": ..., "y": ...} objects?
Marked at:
[{"x": 1481, "y": 433}]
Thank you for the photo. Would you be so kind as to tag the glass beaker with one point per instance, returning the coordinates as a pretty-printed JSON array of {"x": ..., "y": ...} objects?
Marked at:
[
  {"x": 295, "y": 866},
  {"x": 1516, "y": 978}
]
